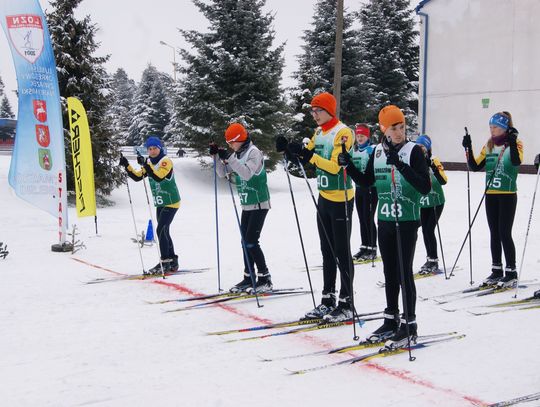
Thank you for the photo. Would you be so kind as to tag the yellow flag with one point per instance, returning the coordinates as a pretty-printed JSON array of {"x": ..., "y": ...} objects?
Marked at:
[{"x": 83, "y": 163}]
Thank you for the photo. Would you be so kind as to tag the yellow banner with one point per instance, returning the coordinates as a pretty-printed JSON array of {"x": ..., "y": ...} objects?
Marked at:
[{"x": 83, "y": 163}]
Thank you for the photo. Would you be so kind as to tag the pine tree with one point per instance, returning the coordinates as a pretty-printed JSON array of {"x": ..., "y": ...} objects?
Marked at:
[
  {"x": 316, "y": 68},
  {"x": 388, "y": 42},
  {"x": 6, "y": 112},
  {"x": 82, "y": 75},
  {"x": 150, "y": 110},
  {"x": 233, "y": 75},
  {"x": 123, "y": 95}
]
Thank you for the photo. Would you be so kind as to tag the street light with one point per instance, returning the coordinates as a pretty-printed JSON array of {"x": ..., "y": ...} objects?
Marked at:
[{"x": 174, "y": 57}]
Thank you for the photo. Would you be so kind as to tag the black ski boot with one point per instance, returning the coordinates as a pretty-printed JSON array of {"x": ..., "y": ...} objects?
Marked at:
[
  {"x": 401, "y": 339},
  {"x": 243, "y": 285},
  {"x": 264, "y": 283},
  {"x": 174, "y": 264},
  {"x": 430, "y": 266},
  {"x": 360, "y": 253},
  {"x": 343, "y": 312},
  {"x": 369, "y": 254},
  {"x": 386, "y": 330},
  {"x": 156, "y": 270},
  {"x": 327, "y": 305},
  {"x": 510, "y": 278},
  {"x": 537, "y": 294},
  {"x": 495, "y": 276}
]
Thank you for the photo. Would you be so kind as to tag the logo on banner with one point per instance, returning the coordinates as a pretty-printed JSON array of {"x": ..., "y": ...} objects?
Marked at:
[
  {"x": 42, "y": 135},
  {"x": 26, "y": 34},
  {"x": 40, "y": 110},
  {"x": 45, "y": 159}
]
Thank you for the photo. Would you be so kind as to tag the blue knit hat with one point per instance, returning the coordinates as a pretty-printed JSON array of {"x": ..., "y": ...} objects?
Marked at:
[
  {"x": 425, "y": 141},
  {"x": 499, "y": 120},
  {"x": 153, "y": 142}
]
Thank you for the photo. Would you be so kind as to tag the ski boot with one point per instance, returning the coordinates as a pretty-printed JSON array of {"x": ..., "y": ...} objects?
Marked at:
[
  {"x": 327, "y": 305},
  {"x": 264, "y": 283},
  {"x": 358, "y": 256},
  {"x": 386, "y": 330},
  {"x": 343, "y": 312},
  {"x": 495, "y": 276},
  {"x": 430, "y": 266},
  {"x": 369, "y": 254},
  {"x": 537, "y": 294},
  {"x": 173, "y": 266},
  {"x": 156, "y": 270},
  {"x": 243, "y": 285},
  {"x": 510, "y": 278},
  {"x": 400, "y": 338}
]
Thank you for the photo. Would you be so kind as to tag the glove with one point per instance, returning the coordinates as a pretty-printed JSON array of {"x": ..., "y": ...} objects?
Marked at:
[
  {"x": 512, "y": 135},
  {"x": 140, "y": 159},
  {"x": 281, "y": 144},
  {"x": 223, "y": 154},
  {"x": 392, "y": 158},
  {"x": 537, "y": 161},
  {"x": 123, "y": 161},
  {"x": 467, "y": 142},
  {"x": 213, "y": 149},
  {"x": 344, "y": 159},
  {"x": 305, "y": 155},
  {"x": 293, "y": 150}
]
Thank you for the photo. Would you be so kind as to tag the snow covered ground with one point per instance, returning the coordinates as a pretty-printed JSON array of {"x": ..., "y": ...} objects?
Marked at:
[{"x": 65, "y": 343}]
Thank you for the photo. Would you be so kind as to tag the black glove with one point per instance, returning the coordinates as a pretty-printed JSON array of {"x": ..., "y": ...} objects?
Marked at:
[
  {"x": 281, "y": 144},
  {"x": 467, "y": 142},
  {"x": 512, "y": 135},
  {"x": 392, "y": 157},
  {"x": 305, "y": 155},
  {"x": 293, "y": 150},
  {"x": 537, "y": 161},
  {"x": 213, "y": 149},
  {"x": 123, "y": 161},
  {"x": 223, "y": 154},
  {"x": 344, "y": 159},
  {"x": 140, "y": 159}
]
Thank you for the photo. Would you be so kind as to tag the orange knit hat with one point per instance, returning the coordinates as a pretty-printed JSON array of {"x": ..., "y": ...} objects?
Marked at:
[
  {"x": 235, "y": 132},
  {"x": 325, "y": 101},
  {"x": 390, "y": 115}
]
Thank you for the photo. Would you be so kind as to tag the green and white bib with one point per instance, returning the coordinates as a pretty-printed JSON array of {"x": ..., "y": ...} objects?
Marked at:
[
  {"x": 435, "y": 196},
  {"x": 407, "y": 205},
  {"x": 505, "y": 176},
  {"x": 165, "y": 192},
  {"x": 254, "y": 190},
  {"x": 324, "y": 146}
]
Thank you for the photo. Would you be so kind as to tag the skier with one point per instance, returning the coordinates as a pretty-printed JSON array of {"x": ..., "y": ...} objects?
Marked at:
[
  {"x": 322, "y": 151},
  {"x": 247, "y": 164},
  {"x": 502, "y": 156},
  {"x": 366, "y": 198},
  {"x": 160, "y": 172},
  {"x": 400, "y": 173},
  {"x": 431, "y": 205}
]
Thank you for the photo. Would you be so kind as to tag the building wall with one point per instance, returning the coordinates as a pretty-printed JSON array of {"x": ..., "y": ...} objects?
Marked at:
[{"x": 480, "y": 49}]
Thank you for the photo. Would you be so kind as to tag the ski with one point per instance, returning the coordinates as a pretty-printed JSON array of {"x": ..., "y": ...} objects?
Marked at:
[
  {"x": 528, "y": 300},
  {"x": 147, "y": 276},
  {"x": 365, "y": 344},
  {"x": 359, "y": 262},
  {"x": 421, "y": 344},
  {"x": 481, "y": 292},
  {"x": 517, "y": 400},
  {"x": 218, "y": 295},
  {"x": 519, "y": 307},
  {"x": 322, "y": 325},
  {"x": 298, "y": 322},
  {"x": 237, "y": 298}
]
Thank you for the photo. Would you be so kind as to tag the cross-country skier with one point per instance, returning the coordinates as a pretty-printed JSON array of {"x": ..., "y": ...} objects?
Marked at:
[
  {"x": 249, "y": 174},
  {"x": 502, "y": 156},
  {"x": 322, "y": 151},
  {"x": 365, "y": 198},
  {"x": 399, "y": 171},
  {"x": 431, "y": 205},
  {"x": 158, "y": 167}
]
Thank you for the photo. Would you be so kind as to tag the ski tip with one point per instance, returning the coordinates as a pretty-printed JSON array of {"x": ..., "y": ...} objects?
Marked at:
[{"x": 295, "y": 372}]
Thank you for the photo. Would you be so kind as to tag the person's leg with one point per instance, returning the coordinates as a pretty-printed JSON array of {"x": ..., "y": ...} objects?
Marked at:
[{"x": 492, "y": 214}]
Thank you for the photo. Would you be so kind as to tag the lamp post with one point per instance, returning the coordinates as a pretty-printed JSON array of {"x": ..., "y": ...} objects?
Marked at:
[{"x": 174, "y": 57}]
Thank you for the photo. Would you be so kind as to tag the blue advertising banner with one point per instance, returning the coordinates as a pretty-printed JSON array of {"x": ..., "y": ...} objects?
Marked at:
[{"x": 37, "y": 171}]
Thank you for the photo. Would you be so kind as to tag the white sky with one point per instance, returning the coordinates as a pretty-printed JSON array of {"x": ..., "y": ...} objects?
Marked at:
[{"x": 131, "y": 31}]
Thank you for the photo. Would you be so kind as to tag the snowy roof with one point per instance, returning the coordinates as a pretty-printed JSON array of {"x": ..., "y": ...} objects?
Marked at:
[{"x": 421, "y": 4}]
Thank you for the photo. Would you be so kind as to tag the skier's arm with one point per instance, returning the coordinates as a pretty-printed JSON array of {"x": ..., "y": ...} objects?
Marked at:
[
  {"x": 476, "y": 164},
  {"x": 516, "y": 153},
  {"x": 438, "y": 171},
  {"x": 135, "y": 175},
  {"x": 417, "y": 174},
  {"x": 159, "y": 174},
  {"x": 252, "y": 166},
  {"x": 365, "y": 179},
  {"x": 332, "y": 165}
]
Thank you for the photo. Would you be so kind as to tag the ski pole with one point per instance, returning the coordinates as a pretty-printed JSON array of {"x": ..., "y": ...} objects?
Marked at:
[
  {"x": 372, "y": 238},
  {"x": 153, "y": 230},
  {"x": 135, "y": 224},
  {"x": 467, "y": 236},
  {"x": 469, "y": 213},
  {"x": 217, "y": 225},
  {"x": 527, "y": 233},
  {"x": 401, "y": 266},
  {"x": 244, "y": 247},
  {"x": 348, "y": 237},
  {"x": 286, "y": 167}
]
